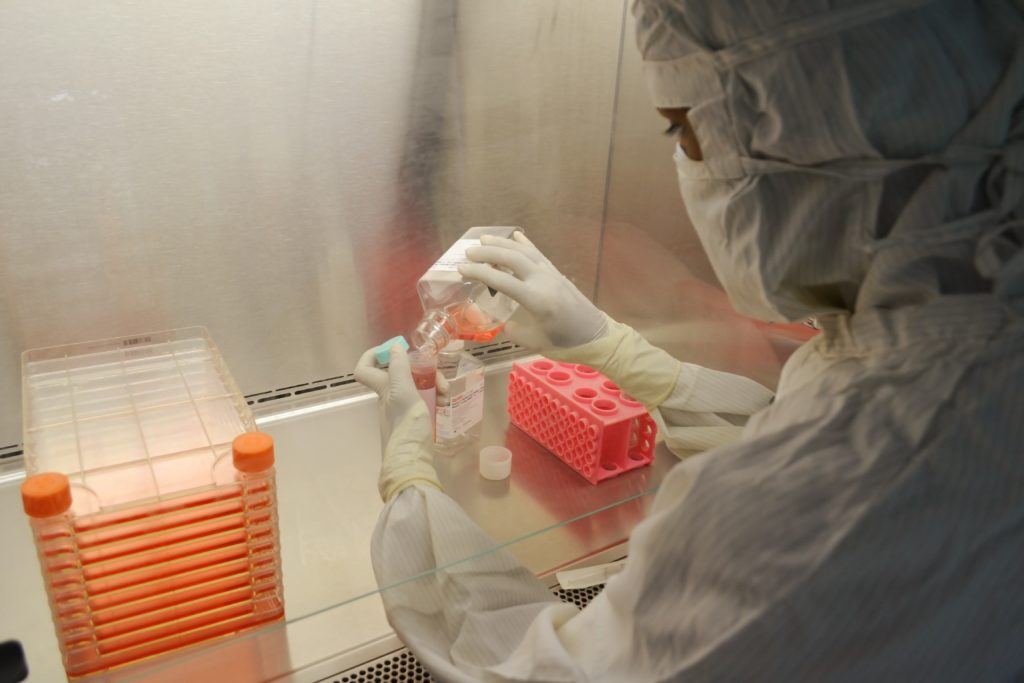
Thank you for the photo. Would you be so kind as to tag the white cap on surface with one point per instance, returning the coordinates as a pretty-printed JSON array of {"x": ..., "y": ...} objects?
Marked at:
[{"x": 495, "y": 462}]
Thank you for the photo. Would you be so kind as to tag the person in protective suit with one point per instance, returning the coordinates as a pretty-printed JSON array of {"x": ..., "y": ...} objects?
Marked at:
[{"x": 861, "y": 163}]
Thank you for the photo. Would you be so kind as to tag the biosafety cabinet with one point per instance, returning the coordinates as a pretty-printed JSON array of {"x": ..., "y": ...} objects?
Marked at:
[{"x": 237, "y": 199}]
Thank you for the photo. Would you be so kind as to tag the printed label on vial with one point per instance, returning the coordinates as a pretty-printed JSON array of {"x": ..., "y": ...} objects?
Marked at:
[
  {"x": 456, "y": 255},
  {"x": 463, "y": 411}
]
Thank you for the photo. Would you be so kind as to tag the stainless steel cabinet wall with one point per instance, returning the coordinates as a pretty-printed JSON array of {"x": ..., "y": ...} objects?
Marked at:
[{"x": 281, "y": 172}]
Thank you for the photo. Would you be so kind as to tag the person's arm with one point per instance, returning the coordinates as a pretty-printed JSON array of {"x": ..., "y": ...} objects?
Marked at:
[
  {"x": 708, "y": 408},
  {"x": 465, "y": 606},
  {"x": 471, "y": 612},
  {"x": 699, "y": 408},
  {"x": 405, "y": 429},
  {"x": 461, "y": 603}
]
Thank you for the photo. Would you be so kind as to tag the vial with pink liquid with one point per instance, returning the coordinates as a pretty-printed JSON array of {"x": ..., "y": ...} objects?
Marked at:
[{"x": 424, "y": 376}]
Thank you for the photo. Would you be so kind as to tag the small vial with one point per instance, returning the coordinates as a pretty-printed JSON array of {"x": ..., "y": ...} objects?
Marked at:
[
  {"x": 460, "y": 309},
  {"x": 424, "y": 376}
]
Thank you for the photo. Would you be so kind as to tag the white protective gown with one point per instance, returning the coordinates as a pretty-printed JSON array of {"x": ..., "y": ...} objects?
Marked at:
[{"x": 869, "y": 523}]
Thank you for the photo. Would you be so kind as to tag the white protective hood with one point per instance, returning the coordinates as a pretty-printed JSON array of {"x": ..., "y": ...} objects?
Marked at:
[{"x": 864, "y": 177}]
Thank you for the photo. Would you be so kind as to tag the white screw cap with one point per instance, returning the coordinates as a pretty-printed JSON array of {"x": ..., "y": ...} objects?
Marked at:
[{"x": 495, "y": 463}]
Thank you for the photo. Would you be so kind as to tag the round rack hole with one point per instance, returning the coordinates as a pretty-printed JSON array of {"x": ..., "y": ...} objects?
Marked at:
[
  {"x": 611, "y": 387},
  {"x": 585, "y": 394},
  {"x": 604, "y": 406},
  {"x": 542, "y": 366},
  {"x": 559, "y": 377}
]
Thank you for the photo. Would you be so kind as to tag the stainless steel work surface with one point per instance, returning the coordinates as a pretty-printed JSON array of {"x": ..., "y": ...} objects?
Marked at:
[{"x": 328, "y": 455}]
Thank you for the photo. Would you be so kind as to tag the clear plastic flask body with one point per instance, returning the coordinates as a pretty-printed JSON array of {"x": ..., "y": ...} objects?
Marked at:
[{"x": 454, "y": 308}]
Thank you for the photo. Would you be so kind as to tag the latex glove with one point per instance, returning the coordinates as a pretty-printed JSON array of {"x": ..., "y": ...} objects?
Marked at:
[
  {"x": 642, "y": 370},
  {"x": 552, "y": 312},
  {"x": 406, "y": 432},
  {"x": 555, "y": 318}
]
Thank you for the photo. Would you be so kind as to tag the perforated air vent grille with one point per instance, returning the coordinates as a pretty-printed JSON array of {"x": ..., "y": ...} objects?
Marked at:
[
  {"x": 402, "y": 667},
  {"x": 397, "y": 666},
  {"x": 580, "y": 597}
]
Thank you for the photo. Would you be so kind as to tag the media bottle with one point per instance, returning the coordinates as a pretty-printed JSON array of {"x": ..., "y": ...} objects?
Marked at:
[{"x": 459, "y": 415}]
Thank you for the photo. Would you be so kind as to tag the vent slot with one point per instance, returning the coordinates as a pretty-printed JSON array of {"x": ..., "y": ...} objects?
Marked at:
[
  {"x": 489, "y": 353},
  {"x": 12, "y": 451}
]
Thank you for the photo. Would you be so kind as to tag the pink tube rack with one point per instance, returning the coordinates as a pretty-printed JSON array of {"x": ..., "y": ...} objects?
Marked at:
[{"x": 582, "y": 417}]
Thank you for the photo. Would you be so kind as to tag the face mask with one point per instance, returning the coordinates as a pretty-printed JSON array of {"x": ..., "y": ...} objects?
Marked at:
[
  {"x": 789, "y": 242},
  {"x": 726, "y": 215}
]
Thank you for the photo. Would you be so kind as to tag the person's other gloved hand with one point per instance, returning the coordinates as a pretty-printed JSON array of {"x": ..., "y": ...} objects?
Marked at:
[
  {"x": 556, "y": 319},
  {"x": 404, "y": 422},
  {"x": 552, "y": 313}
]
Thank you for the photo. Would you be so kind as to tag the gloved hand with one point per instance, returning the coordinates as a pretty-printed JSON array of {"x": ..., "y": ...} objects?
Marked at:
[
  {"x": 555, "y": 318},
  {"x": 553, "y": 313},
  {"x": 404, "y": 422}
]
